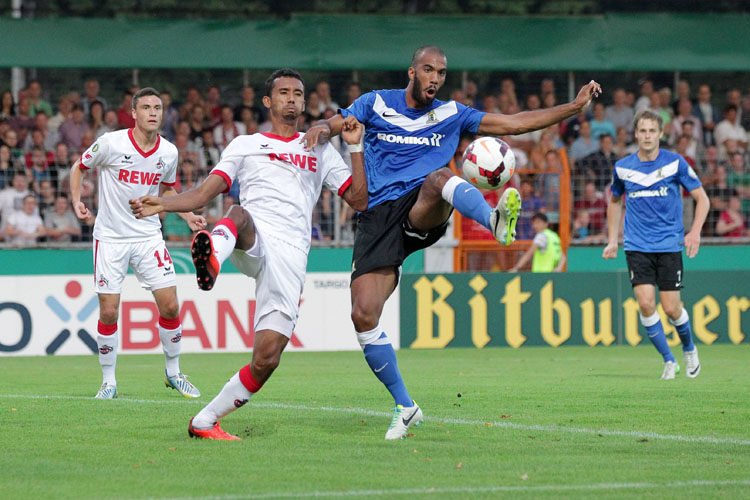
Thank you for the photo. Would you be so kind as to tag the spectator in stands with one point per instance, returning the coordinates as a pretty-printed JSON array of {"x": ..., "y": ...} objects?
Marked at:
[
  {"x": 72, "y": 129},
  {"x": 745, "y": 112},
  {"x": 508, "y": 89},
  {"x": 719, "y": 193},
  {"x": 248, "y": 101},
  {"x": 597, "y": 167},
  {"x": 45, "y": 196},
  {"x": 7, "y": 105},
  {"x": 646, "y": 88},
  {"x": 23, "y": 121},
  {"x": 471, "y": 91},
  {"x": 213, "y": 106},
  {"x": 623, "y": 146},
  {"x": 10, "y": 139},
  {"x": 549, "y": 100},
  {"x": 683, "y": 94},
  {"x": 91, "y": 91},
  {"x": 545, "y": 252},
  {"x": 37, "y": 140},
  {"x": 6, "y": 166},
  {"x": 731, "y": 223},
  {"x": 249, "y": 121},
  {"x": 584, "y": 145},
  {"x": 125, "y": 111},
  {"x": 707, "y": 113},
  {"x": 227, "y": 129},
  {"x": 665, "y": 109},
  {"x": 728, "y": 129},
  {"x": 683, "y": 149},
  {"x": 547, "y": 185},
  {"x": 197, "y": 123},
  {"x": 87, "y": 139},
  {"x": 110, "y": 120},
  {"x": 35, "y": 100},
  {"x": 580, "y": 230},
  {"x": 533, "y": 102},
  {"x": 11, "y": 198},
  {"x": 170, "y": 116},
  {"x": 595, "y": 205},
  {"x": 489, "y": 104},
  {"x": 685, "y": 113},
  {"x": 48, "y": 137},
  {"x": 60, "y": 165},
  {"x": 24, "y": 227},
  {"x": 734, "y": 97},
  {"x": 599, "y": 124},
  {"x": 546, "y": 87},
  {"x": 738, "y": 177},
  {"x": 38, "y": 170},
  {"x": 530, "y": 204},
  {"x": 324, "y": 94},
  {"x": 96, "y": 119},
  {"x": 619, "y": 113},
  {"x": 354, "y": 91},
  {"x": 64, "y": 109},
  {"x": 60, "y": 222},
  {"x": 208, "y": 154}
]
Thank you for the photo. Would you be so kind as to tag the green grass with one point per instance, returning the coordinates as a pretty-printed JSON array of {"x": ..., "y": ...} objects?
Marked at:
[{"x": 317, "y": 428}]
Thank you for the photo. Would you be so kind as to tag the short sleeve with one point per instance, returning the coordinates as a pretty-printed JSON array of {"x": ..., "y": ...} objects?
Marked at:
[
  {"x": 230, "y": 162},
  {"x": 361, "y": 108},
  {"x": 470, "y": 118},
  {"x": 96, "y": 155},
  {"x": 170, "y": 174},
  {"x": 618, "y": 187},
  {"x": 540, "y": 240},
  {"x": 688, "y": 178},
  {"x": 337, "y": 174}
]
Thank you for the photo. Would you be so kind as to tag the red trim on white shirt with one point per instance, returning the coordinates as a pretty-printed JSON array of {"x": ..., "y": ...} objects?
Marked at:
[
  {"x": 81, "y": 165},
  {"x": 345, "y": 186},
  {"x": 279, "y": 138},
  {"x": 138, "y": 148},
  {"x": 169, "y": 183},
  {"x": 224, "y": 176}
]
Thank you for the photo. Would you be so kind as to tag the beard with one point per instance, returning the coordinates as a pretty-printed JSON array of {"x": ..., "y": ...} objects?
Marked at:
[{"x": 418, "y": 95}]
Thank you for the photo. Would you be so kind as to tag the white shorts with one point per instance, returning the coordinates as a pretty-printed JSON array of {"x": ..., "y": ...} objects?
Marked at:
[
  {"x": 279, "y": 272},
  {"x": 149, "y": 260}
]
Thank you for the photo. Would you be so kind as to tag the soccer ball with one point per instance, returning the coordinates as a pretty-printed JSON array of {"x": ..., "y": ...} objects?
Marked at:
[{"x": 488, "y": 163}]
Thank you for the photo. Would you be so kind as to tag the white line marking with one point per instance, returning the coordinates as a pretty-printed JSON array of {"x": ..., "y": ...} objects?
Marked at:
[
  {"x": 455, "y": 421},
  {"x": 479, "y": 489}
]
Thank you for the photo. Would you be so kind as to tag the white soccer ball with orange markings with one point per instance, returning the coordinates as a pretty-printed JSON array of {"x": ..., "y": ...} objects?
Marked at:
[{"x": 488, "y": 163}]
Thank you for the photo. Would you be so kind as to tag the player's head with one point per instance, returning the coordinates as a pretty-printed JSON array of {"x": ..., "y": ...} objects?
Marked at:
[
  {"x": 427, "y": 74},
  {"x": 285, "y": 94},
  {"x": 647, "y": 129},
  {"x": 539, "y": 222},
  {"x": 147, "y": 109}
]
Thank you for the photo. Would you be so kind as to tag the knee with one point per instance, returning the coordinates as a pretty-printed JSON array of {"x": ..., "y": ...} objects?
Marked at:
[
  {"x": 363, "y": 319},
  {"x": 266, "y": 362},
  {"x": 673, "y": 311},
  {"x": 108, "y": 315},
  {"x": 439, "y": 177},
  {"x": 169, "y": 309},
  {"x": 239, "y": 216}
]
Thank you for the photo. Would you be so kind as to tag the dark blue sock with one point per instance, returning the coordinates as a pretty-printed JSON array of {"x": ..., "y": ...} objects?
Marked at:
[
  {"x": 470, "y": 203},
  {"x": 686, "y": 336},
  {"x": 656, "y": 334},
  {"x": 382, "y": 361}
]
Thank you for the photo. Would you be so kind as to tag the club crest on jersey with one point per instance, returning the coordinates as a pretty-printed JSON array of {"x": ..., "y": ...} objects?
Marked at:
[
  {"x": 102, "y": 281},
  {"x": 432, "y": 118},
  {"x": 160, "y": 163},
  {"x": 95, "y": 148}
]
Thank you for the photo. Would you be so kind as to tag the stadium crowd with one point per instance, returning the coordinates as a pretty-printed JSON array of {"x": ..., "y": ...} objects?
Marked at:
[{"x": 40, "y": 142}]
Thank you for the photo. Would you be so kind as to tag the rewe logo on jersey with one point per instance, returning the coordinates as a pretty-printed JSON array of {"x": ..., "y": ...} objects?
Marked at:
[
  {"x": 138, "y": 177},
  {"x": 302, "y": 161},
  {"x": 433, "y": 140}
]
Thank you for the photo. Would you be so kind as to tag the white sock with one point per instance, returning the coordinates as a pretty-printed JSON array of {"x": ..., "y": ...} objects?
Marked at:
[
  {"x": 223, "y": 241},
  {"x": 171, "y": 343},
  {"x": 232, "y": 396},
  {"x": 107, "y": 345}
]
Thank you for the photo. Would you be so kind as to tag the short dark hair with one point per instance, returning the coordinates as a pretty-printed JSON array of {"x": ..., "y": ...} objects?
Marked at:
[
  {"x": 425, "y": 48},
  {"x": 145, "y": 91},
  {"x": 280, "y": 73},
  {"x": 540, "y": 216},
  {"x": 730, "y": 107}
]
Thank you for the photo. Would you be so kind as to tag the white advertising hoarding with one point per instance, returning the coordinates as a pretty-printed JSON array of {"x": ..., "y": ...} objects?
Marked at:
[{"x": 45, "y": 315}]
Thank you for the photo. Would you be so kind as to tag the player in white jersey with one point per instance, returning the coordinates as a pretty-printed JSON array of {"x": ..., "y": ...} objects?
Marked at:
[
  {"x": 132, "y": 163},
  {"x": 268, "y": 236}
]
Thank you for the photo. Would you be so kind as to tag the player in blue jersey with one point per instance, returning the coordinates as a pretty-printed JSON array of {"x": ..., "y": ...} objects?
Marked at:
[
  {"x": 410, "y": 138},
  {"x": 652, "y": 180}
]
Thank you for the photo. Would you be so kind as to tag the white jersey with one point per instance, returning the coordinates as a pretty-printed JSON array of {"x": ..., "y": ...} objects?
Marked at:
[
  {"x": 280, "y": 182},
  {"x": 126, "y": 172}
]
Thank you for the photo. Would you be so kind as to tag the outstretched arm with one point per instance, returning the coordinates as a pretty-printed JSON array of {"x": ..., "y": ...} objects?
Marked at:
[
  {"x": 196, "y": 222},
  {"x": 525, "y": 258},
  {"x": 322, "y": 131},
  {"x": 499, "y": 124},
  {"x": 184, "y": 202}
]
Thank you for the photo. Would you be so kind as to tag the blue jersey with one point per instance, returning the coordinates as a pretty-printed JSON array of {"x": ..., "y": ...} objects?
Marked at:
[
  {"x": 653, "y": 196},
  {"x": 402, "y": 144}
]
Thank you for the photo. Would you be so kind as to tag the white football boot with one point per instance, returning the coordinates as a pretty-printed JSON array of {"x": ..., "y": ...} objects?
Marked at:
[
  {"x": 106, "y": 391},
  {"x": 503, "y": 219},
  {"x": 692, "y": 365},
  {"x": 402, "y": 419},
  {"x": 670, "y": 368}
]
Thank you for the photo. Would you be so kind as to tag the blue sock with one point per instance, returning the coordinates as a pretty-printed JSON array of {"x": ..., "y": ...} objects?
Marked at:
[
  {"x": 470, "y": 203},
  {"x": 682, "y": 325},
  {"x": 655, "y": 332},
  {"x": 382, "y": 360}
]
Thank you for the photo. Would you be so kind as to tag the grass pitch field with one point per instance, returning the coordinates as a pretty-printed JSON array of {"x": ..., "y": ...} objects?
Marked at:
[{"x": 529, "y": 423}]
